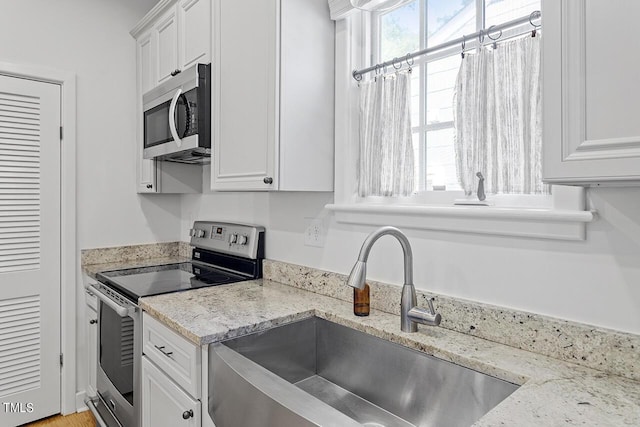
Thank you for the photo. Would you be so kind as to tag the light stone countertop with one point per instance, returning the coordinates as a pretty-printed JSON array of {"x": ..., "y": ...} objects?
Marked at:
[
  {"x": 552, "y": 392},
  {"x": 92, "y": 269}
]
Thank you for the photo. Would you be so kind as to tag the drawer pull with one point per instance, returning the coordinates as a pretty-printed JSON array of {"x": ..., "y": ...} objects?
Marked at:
[
  {"x": 187, "y": 414},
  {"x": 161, "y": 350}
]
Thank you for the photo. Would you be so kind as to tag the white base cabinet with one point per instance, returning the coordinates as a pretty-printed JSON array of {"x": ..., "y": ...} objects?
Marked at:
[
  {"x": 164, "y": 404},
  {"x": 171, "y": 377},
  {"x": 174, "y": 378},
  {"x": 177, "y": 357},
  {"x": 91, "y": 318},
  {"x": 273, "y": 96},
  {"x": 590, "y": 99}
]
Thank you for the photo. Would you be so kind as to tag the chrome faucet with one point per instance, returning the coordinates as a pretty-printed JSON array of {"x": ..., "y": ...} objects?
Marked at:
[{"x": 410, "y": 314}]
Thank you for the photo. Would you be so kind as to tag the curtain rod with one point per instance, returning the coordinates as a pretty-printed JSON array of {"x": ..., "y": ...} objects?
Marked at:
[{"x": 357, "y": 74}]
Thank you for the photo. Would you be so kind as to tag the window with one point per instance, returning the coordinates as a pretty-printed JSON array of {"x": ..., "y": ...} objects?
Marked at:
[
  {"x": 366, "y": 38},
  {"x": 419, "y": 24}
]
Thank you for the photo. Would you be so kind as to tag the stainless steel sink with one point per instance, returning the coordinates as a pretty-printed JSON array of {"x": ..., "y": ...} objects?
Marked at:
[{"x": 318, "y": 373}]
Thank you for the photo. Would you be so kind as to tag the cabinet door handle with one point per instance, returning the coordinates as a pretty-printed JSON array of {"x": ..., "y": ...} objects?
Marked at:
[
  {"x": 268, "y": 180},
  {"x": 93, "y": 321},
  {"x": 175, "y": 72},
  {"x": 161, "y": 350},
  {"x": 187, "y": 414},
  {"x": 149, "y": 186}
]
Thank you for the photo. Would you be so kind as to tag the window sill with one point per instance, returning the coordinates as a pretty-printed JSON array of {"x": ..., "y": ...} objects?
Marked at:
[{"x": 557, "y": 224}]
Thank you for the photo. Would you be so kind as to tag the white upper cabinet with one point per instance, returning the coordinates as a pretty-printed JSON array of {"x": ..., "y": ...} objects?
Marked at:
[
  {"x": 173, "y": 36},
  {"x": 166, "y": 33},
  {"x": 195, "y": 32},
  {"x": 591, "y": 92},
  {"x": 183, "y": 35},
  {"x": 146, "y": 79},
  {"x": 273, "y": 96},
  {"x": 146, "y": 62}
]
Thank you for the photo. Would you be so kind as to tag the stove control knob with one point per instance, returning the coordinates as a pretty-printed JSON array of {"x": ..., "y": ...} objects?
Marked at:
[
  {"x": 192, "y": 232},
  {"x": 199, "y": 233},
  {"x": 242, "y": 240},
  {"x": 233, "y": 238}
]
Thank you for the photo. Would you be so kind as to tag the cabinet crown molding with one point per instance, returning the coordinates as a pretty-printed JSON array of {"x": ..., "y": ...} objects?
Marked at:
[{"x": 150, "y": 17}]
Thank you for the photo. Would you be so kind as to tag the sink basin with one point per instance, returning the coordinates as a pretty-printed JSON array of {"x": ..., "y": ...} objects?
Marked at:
[{"x": 318, "y": 373}]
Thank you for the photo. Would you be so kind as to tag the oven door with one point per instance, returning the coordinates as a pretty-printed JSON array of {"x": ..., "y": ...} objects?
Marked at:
[{"x": 119, "y": 354}]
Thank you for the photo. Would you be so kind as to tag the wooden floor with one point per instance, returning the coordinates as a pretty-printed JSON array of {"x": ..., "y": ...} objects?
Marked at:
[{"x": 82, "y": 419}]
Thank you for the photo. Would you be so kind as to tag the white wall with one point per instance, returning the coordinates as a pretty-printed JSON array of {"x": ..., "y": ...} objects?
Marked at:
[
  {"x": 91, "y": 39},
  {"x": 595, "y": 282}
]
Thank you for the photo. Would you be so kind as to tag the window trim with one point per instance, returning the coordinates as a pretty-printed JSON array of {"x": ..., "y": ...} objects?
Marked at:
[
  {"x": 562, "y": 217},
  {"x": 514, "y": 222}
]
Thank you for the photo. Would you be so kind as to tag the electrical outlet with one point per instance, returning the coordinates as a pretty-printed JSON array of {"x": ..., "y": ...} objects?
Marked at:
[{"x": 314, "y": 234}]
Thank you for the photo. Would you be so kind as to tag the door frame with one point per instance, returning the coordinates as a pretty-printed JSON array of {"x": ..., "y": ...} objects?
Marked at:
[{"x": 68, "y": 264}]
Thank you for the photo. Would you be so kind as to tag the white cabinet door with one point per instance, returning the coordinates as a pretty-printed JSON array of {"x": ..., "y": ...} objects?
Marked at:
[
  {"x": 307, "y": 128},
  {"x": 273, "y": 110},
  {"x": 164, "y": 404},
  {"x": 146, "y": 63},
  {"x": 591, "y": 126},
  {"x": 194, "y": 32},
  {"x": 245, "y": 97},
  {"x": 92, "y": 345},
  {"x": 166, "y": 33}
]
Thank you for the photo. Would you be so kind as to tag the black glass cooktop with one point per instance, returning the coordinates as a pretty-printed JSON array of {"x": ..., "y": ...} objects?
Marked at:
[{"x": 135, "y": 283}]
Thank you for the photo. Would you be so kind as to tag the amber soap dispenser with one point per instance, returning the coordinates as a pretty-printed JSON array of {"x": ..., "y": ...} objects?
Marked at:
[{"x": 361, "y": 301}]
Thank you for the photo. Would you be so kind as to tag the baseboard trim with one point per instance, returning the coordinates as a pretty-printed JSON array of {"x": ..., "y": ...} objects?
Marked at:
[{"x": 80, "y": 405}]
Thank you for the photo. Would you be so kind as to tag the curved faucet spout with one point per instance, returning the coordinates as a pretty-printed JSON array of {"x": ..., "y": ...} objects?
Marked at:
[
  {"x": 410, "y": 315},
  {"x": 404, "y": 242}
]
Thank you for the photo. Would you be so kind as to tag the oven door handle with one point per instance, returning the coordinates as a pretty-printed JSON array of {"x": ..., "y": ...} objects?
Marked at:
[
  {"x": 121, "y": 310},
  {"x": 172, "y": 118}
]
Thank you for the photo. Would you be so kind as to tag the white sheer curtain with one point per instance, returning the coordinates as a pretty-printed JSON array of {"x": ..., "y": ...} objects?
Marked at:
[
  {"x": 386, "y": 163},
  {"x": 497, "y": 114}
]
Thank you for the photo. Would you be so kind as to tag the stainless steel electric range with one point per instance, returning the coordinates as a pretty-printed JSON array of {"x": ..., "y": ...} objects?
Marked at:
[{"x": 223, "y": 253}]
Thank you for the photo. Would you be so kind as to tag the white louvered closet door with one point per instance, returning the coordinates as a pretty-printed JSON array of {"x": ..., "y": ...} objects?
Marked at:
[{"x": 29, "y": 250}]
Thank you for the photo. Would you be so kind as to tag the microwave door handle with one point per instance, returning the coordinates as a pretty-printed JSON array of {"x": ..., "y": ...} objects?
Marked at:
[{"x": 172, "y": 118}]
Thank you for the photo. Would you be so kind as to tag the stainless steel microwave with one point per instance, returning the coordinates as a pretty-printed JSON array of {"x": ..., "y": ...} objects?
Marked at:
[{"x": 177, "y": 117}]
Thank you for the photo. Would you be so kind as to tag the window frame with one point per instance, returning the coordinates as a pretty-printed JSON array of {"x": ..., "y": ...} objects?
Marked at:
[
  {"x": 559, "y": 216},
  {"x": 373, "y": 52}
]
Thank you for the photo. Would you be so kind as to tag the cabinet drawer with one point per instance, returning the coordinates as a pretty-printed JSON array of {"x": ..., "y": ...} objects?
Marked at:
[{"x": 177, "y": 357}]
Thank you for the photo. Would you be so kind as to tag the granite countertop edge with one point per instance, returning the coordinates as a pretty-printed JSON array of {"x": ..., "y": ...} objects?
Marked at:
[
  {"x": 551, "y": 393},
  {"x": 92, "y": 269}
]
